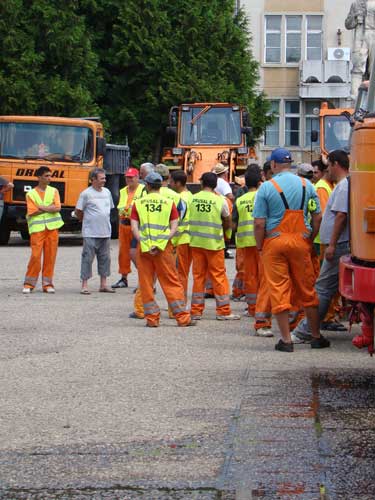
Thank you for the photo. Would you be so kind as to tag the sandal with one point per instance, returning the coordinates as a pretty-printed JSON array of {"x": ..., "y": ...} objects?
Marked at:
[
  {"x": 107, "y": 290},
  {"x": 84, "y": 291}
]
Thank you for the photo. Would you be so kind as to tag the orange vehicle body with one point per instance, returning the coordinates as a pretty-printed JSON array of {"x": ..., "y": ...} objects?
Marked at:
[
  {"x": 357, "y": 270},
  {"x": 68, "y": 146},
  {"x": 208, "y": 133},
  {"x": 334, "y": 128}
]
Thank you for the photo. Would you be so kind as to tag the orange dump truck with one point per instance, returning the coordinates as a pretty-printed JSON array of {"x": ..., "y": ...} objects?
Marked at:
[
  {"x": 205, "y": 134},
  {"x": 69, "y": 146}
]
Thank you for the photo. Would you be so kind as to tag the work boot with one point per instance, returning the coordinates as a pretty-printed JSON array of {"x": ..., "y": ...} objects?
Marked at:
[{"x": 121, "y": 283}]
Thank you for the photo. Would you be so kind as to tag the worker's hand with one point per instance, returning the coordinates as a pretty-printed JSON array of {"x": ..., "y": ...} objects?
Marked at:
[
  {"x": 330, "y": 252},
  {"x": 154, "y": 251}
]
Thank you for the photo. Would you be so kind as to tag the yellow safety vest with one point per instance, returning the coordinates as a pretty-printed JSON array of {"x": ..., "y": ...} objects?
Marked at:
[
  {"x": 182, "y": 236},
  {"x": 49, "y": 220},
  {"x": 322, "y": 184},
  {"x": 245, "y": 228},
  {"x": 206, "y": 227},
  {"x": 154, "y": 211},
  {"x": 170, "y": 194},
  {"x": 123, "y": 207}
]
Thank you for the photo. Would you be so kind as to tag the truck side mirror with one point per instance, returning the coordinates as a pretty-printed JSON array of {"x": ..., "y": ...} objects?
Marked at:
[
  {"x": 314, "y": 136},
  {"x": 171, "y": 131},
  {"x": 100, "y": 146}
]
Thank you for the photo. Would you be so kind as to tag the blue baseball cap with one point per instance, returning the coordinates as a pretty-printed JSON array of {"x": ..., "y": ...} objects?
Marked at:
[
  {"x": 281, "y": 155},
  {"x": 153, "y": 178}
]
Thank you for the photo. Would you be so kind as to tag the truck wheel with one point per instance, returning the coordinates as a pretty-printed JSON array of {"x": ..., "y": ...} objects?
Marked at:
[
  {"x": 25, "y": 235},
  {"x": 4, "y": 233}
]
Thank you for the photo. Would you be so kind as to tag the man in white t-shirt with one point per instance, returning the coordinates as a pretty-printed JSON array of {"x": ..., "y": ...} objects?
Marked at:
[
  {"x": 223, "y": 186},
  {"x": 94, "y": 209}
]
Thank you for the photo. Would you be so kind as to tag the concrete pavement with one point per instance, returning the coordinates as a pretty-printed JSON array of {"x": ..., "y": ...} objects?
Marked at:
[{"x": 93, "y": 403}]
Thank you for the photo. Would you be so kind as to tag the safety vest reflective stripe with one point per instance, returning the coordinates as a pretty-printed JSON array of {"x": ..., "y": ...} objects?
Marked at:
[
  {"x": 154, "y": 212},
  {"x": 197, "y": 298},
  {"x": 222, "y": 300},
  {"x": 245, "y": 227},
  {"x": 38, "y": 223},
  {"x": 217, "y": 237},
  {"x": 153, "y": 226},
  {"x": 251, "y": 298},
  {"x": 44, "y": 221},
  {"x": 205, "y": 224}
]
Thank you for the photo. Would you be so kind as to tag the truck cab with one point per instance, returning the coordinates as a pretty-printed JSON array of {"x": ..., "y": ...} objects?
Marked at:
[
  {"x": 70, "y": 147},
  {"x": 205, "y": 134}
]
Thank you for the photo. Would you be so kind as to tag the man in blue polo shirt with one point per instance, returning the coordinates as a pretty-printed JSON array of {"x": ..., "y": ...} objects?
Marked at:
[{"x": 284, "y": 238}]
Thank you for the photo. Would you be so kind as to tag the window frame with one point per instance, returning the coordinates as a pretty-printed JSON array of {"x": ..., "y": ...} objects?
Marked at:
[
  {"x": 292, "y": 115},
  {"x": 278, "y": 118},
  {"x": 283, "y": 35},
  {"x": 289, "y": 31}
]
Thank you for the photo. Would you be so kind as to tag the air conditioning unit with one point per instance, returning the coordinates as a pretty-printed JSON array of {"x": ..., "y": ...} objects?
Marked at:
[{"x": 339, "y": 54}]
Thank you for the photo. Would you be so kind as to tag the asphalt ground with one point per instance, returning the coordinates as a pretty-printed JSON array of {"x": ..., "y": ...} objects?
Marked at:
[{"x": 94, "y": 405}]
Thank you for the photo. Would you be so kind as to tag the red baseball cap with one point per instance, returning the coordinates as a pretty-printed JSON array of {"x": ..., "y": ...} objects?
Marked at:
[{"x": 132, "y": 172}]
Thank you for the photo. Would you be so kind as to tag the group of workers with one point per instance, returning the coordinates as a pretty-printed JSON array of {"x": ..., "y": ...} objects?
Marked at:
[{"x": 164, "y": 229}]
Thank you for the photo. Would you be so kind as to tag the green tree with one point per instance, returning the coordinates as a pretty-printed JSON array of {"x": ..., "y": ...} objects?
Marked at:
[{"x": 47, "y": 65}]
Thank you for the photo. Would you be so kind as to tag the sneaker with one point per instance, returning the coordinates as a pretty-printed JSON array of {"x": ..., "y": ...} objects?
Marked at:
[
  {"x": 333, "y": 326},
  {"x": 263, "y": 332},
  {"x": 197, "y": 317},
  {"x": 27, "y": 291},
  {"x": 49, "y": 289},
  {"x": 296, "y": 340},
  {"x": 306, "y": 337},
  {"x": 191, "y": 323},
  {"x": 320, "y": 343},
  {"x": 284, "y": 347},
  {"x": 133, "y": 315},
  {"x": 228, "y": 254},
  {"x": 121, "y": 283},
  {"x": 228, "y": 317}
]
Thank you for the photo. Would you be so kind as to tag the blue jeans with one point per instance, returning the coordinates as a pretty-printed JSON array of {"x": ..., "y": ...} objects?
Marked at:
[{"x": 326, "y": 285}]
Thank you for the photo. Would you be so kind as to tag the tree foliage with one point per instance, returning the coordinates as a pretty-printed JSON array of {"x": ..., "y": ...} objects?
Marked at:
[{"x": 128, "y": 60}]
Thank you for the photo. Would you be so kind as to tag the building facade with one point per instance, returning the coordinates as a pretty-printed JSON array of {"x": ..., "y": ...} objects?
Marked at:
[{"x": 304, "y": 54}]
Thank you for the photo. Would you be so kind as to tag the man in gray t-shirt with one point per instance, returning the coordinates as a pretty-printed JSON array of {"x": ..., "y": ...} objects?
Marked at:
[
  {"x": 94, "y": 210},
  {"x": 334, "y": 232}
]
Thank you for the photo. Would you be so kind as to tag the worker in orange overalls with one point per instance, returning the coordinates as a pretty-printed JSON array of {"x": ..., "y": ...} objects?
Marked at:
[
  {"x": 154, "y": 220},
  {"x": 209, "y": 218},
  {"x": 43, "y": 220},
  {"x": 284, "y": 239},
  {"x": 128, "y": 195}
]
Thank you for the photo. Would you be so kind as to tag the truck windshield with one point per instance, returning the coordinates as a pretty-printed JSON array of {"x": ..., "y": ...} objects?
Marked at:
[
  {"x": 215, "y": 126},
  {"x": 39, "y": 140},
  {"x": 336, "y": 133}
]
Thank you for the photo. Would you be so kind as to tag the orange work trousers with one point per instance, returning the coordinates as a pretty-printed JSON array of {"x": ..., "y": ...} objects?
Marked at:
[
  {"x": 251, "y": 276},
  {"x": 46, "y": 243},
  {"x": 125, "y": 236},
  {"x": 263, "y": 308},
  {"x": 209, "y": 262},
  {"x": 184, "y": 259},
  {"x": 163, "y": 265},
  {"x": 238, "y": 286}
]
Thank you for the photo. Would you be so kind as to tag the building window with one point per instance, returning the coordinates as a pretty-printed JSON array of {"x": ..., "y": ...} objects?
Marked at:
[
  {"x": 289, "y": 38},
  {"x": 273, "y": 39},
  {"x": 311, "y": 122},
  {"x": 314, "y": 38},
  {"x": 271, "y": 136},
  {"x": 293, "y": 39},
  {"x": 292, "y": 121}
]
